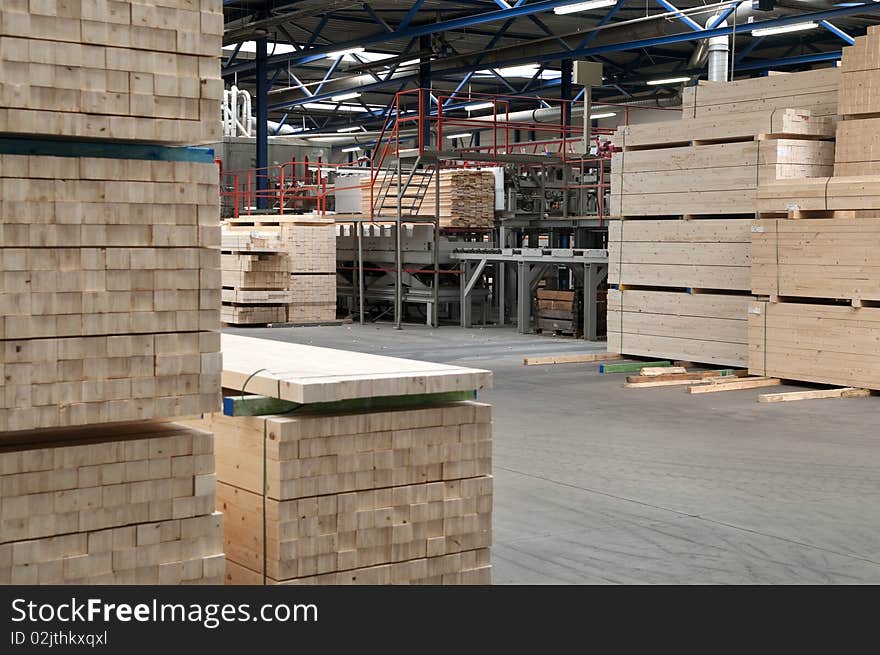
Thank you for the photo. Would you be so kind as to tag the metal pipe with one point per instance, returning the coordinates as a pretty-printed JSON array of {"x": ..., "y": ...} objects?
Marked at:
[{"x": 719, "y": 47}]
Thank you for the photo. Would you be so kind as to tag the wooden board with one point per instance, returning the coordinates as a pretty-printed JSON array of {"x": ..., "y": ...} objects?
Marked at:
[
  {"x": 253, "y": 314},
  {"x": 745, "y": 126},
  {"x": 123, "y": 71},
  {"x": 817, "y": 258},
  {"x": 816, "y": 394},
  {"x": 820, "y": 194},
  {"x": 707, "y": 254},
  {"x": 816, "y": 90},
  {"x": 715, "y": 385},
  {"x": 570, "y": 359},
  {"x": 708, "y": 328},
  {"x": 308, "y": 374},
  {"x": 826, "y": 344}
]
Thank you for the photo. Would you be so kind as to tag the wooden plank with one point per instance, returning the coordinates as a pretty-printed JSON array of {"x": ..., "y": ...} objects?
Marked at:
[
  {"x": 569, "y": 359},
  {"x": 845, "y": 392},
  {"x": 264, "y": 405},
  {"x": 734, "y": 385},
  {"x": 696, "y": 375},
  {"x": 654, "y": 371},
  {"x": 307, "y": 374}
]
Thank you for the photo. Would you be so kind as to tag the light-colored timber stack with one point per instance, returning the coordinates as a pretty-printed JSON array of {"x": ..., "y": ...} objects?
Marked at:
[
  {"x": 382, "y": 475},
  {"x": 123, "y": 504},
  {"x": 309, "y": 241},
  {"x": 467, "y": 197},
  {"x": 816, "y": 259},
  {"x": 684, "y": 195},
  {"x": 255, "y": 281},
  {"x": 109, "y": 292},
  {"x": 140, "y": 70}
]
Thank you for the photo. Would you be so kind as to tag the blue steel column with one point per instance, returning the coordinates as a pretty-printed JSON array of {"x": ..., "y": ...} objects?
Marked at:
[
  {"x": 262, "y": 159},
  {"x": 425, "y": 85},
  {"x": 565, "y": 92}
]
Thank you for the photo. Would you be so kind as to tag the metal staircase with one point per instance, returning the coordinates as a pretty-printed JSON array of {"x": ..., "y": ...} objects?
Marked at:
[{"x": 413, "y": 181}]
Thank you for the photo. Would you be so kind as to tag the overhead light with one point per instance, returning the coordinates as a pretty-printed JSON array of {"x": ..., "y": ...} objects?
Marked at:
[
  {"x": 668, "y": 80},
  {"x": 583, "y": 6},
  {"x": 607, "y": 114},
  {"x": 353, "y": 128},
  {"x": 783, "y": 29},
  {"x": 479, "y": 105},
  {"x": 342, "y": 53},
  {"x": 351, "y": 149},
  {"x": 345, "y": 96},
  {"x": 462, "y": 135}
]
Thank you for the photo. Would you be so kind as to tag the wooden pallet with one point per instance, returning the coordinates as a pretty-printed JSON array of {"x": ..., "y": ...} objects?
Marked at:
[{"x": 128, "y": 71}]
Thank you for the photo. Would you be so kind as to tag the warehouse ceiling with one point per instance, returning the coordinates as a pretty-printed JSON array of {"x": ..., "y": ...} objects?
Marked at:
[{"x": 321, "y": 51}]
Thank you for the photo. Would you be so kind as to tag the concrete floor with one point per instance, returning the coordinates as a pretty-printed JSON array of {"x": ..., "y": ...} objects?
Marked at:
[{"x": 600, "y": 484}]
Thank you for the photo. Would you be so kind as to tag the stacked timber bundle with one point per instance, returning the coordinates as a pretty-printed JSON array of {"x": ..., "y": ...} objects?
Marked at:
[
  {"x": 467, "y": 197},
  {"x": 123, "y": 504},
  {"x": 255, "y": 283},
  {"x": 559, "y": 311},
  {"x": 815, "y": 250},
  {"x": 381, "y": 476},
  {"x": 127, "y": 70},
  {"x": 309, "y": 242},
  {"x": 109, "y": 292},
  {"x": 684, "y": 195}
]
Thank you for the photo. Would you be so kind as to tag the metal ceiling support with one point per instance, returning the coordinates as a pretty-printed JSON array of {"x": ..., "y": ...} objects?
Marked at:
[
  {"x": 410, "y": 15},
  {"x": 770, "y": 64},
  {"x": 836, "y": 31},
  {"x": 690, "y": 22},
  {"x": 403, "y": 31},
  {"x": 565, "y": 94},
  {"x": 262, "y": 140},
  {"x": 377, "y": 18},
  {"x": 607, "y": 17}
]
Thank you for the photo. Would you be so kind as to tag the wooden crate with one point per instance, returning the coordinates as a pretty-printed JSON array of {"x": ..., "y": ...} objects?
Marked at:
[
  {"x": 356, "y": 490},
  {"x": 816, "y": 90},
  {"x": 125, "y": 70},
  {"x": 822, "y": 343},
  {"x": 707, "y": 328}
]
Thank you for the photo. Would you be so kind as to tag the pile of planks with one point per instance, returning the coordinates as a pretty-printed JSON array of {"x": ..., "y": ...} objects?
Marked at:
[
  {"x": 559, "y": 311},
  {"x": 467, "y": 197},
  {"x": 123, "y": 504},
  {"x": 308, "y": 243},
  {"x": 128, "y": 70},
  {"x": 109, "y": 292},
  {"x": 378, "y": 477},
  {"x": 255, "y": 281},
  {"x": 684, "y": 193},
  {"x": 815, "y": 257}
]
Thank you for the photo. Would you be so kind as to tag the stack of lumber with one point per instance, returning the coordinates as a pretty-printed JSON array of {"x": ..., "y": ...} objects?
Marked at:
[
  {"x": 815, "y": 90},
  {"x": 467, "y": 197},
  {"x": 684, "y": 194},
  {"x": 127, "y": 70},
  {"x": 559, "y": 311},
  {"x": 255, "y": 283},
  {"x": 109, "y": 291},
  {"x": 815, "y": 256},
  {"x": 122, "y": 504},
  {"x": 309, "y": 242},
  {"x": 380, "y": 476}
]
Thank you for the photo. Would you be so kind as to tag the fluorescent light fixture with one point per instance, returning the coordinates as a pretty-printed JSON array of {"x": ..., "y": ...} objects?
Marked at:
[
  {"x": 479, "y": 105},
  {"x": 461, "y": 135},
  {"x": 668, "y": 80},
  {"x": 784, "y": 29},
  {"x": 251, "y": 47},
  {"x": 353, "y": 128},
  {"x": 342, "y": 53},
  {"x": 607, "y": 114},
  {"x": 583, "y": 6},
  {"x": 351, "y": 149},
  {"x": 345, "y": 96}
]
